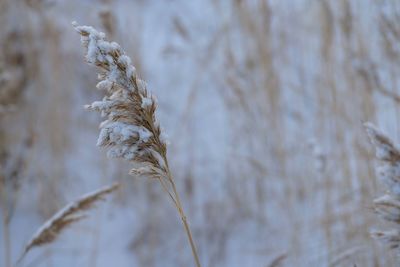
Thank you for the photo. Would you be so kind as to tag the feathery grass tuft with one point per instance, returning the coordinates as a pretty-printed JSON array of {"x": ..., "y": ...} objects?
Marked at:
[{"x": 130, "y": 130}]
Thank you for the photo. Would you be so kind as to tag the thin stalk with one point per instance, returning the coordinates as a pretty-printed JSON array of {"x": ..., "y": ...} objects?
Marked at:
[
  {"x": 6, "y": 230},
  {"x": 183, "y": 218},
  {"x": 165, "y": 187},
  {"x": 7, "y": 245}
]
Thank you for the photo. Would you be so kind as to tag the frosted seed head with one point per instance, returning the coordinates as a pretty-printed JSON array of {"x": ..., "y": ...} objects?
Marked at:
[
  {"x": 126, "y": 105},
  {"x": 146, "y": 102},
  {"x": 104, "y": 85},
  {"x": 141, "y": 85},
  {"x": 124, "y": 60},
  {"x": 104, "y": 138},
  {"x": 130, "y": 71}
]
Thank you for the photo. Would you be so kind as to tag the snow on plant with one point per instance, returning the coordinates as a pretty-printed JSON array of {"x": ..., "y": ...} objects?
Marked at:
[
  {"x": 130, "y": 130},
  {"x": 388, "y": 171}
]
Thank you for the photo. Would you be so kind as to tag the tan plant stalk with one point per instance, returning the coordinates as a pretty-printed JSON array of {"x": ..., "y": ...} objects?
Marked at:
[
  {"x": 278, "y": 260},
  {"x": 70, "y": 214},
  {"x": 131, "y": 130},
  {"x": 387, "y": 206},
  {"x": 6, "y": 224}
]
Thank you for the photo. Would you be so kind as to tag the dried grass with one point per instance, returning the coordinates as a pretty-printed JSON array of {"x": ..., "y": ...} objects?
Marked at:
[
  {"x": 387, "y": 206},
  {"x": 335, "y": 103},
  {"x": 131, "y": 130},
  {"x": 70, "y": 214},
  {"x": 278, "y": 261}
]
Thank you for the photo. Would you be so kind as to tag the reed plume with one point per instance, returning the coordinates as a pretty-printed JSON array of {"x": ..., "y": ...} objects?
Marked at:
[
  {"x": 130, "y": 130},
  {"x": 71, "y": 213},
  {"x": 387, "y": 206}
]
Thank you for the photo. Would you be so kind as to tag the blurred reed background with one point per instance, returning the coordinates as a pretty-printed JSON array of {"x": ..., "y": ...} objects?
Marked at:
[{"x": 263, "y": 102}]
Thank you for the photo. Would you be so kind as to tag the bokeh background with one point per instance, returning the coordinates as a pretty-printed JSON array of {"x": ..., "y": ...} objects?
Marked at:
[{"x": 263, "y": 102}]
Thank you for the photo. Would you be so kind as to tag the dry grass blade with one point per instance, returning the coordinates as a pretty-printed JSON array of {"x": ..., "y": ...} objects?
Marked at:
[
  {"x": 391, "y": 237},
  {"x": 385, "y": 149},
  {"x": 277, "y": 261},
  {"x": 339, "y": 259},
  {"x": 389, "y": 156},
  {"x": 70, "y": 214},
  {"x": 387, "y": 206}
]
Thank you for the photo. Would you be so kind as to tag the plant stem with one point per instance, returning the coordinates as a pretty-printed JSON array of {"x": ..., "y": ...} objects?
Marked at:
[
  {"x": 178, "y": 205},
  {"x": 7, "y": 247},
  {"x": 192, "y": 245},
  {"x": 6, "y": 228}
]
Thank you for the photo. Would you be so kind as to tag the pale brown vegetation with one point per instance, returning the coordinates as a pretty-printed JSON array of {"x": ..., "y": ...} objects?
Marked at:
[
  {"x": 71, "y": 213},
  {"x": 280, "y": 74},
  {"x": 131, "y": 130},
  {"x": 387, "y": 206}
]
